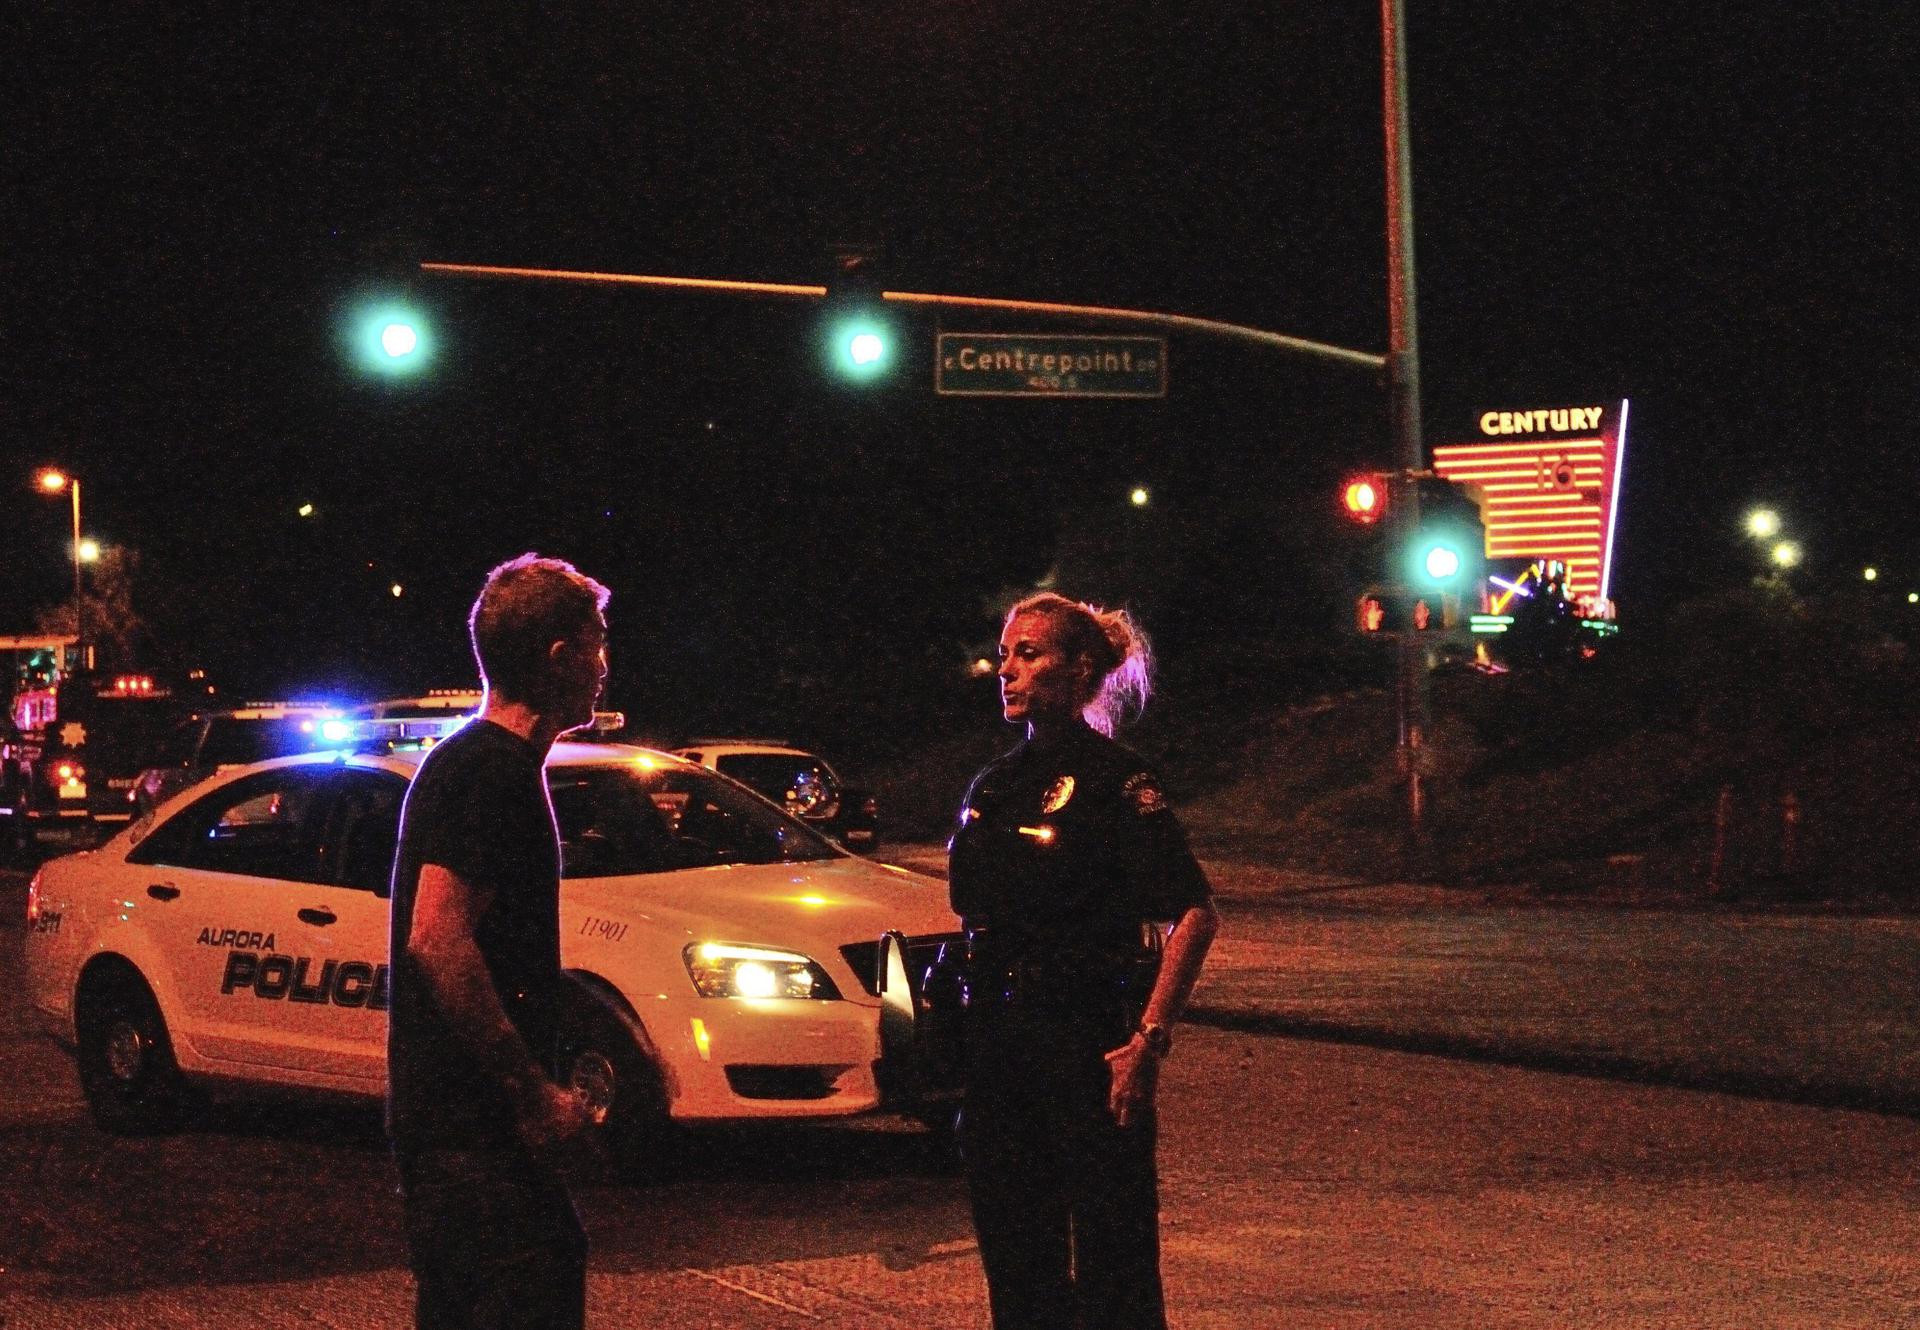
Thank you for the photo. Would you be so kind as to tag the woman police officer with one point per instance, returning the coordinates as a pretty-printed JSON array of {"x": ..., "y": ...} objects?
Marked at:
[{"x": 1065, "y": 860}]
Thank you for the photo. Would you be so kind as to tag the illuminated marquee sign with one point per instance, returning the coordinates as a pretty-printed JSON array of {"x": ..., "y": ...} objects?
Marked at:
[{"x": 1549, "y": 488}]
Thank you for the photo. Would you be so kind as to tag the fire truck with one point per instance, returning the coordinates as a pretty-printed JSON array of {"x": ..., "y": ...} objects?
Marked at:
[{"x": 72, "y": 743}]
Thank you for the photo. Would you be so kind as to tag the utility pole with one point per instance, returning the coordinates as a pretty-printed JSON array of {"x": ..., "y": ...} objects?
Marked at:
[{"x": 1411, "y": 708}]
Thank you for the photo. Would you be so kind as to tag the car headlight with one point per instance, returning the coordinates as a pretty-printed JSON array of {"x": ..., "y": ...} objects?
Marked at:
[{"x": 723, "y": 969}]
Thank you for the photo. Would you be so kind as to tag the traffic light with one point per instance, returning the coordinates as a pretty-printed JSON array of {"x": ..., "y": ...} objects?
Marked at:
[
  {"x": 389, "y": 338},
  {"x": 1447, "y": 551},
  {"x": 1396, "y": 610},
  {"x": 861, "y": 343},
  {"x": 1365, "y": 497},
  {"x": 1423, "y": 571}
]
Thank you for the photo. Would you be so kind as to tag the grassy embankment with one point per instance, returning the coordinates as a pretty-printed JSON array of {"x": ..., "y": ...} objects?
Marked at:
[{"x": 1797, "y": 730}]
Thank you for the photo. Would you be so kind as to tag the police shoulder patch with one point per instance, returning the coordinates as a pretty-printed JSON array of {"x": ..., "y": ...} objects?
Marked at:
[{"x": 1142, "y": 790}]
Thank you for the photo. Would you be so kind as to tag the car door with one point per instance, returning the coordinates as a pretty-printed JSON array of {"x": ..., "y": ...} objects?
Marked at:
[
  {"x": 230, "y": 873},
  {"x": 349, "y": 905}
]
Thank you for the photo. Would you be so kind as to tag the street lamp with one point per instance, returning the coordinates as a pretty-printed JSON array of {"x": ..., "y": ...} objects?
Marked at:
[
  {"x": 1787, "y": 553},
  {"x": 52, "y": 480},
  {"x": 1763, "y": 523}
]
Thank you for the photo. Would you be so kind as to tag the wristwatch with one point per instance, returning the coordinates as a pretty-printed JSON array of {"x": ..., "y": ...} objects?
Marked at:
[{"x": 1159, "y": 1038}]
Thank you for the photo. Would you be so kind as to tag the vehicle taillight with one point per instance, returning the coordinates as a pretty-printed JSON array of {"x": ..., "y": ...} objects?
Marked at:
[{"x": 870, "y": 805}]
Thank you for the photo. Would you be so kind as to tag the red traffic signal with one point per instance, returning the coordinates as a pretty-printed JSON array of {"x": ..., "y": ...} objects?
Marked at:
[{"x": 1365, "y": 497}]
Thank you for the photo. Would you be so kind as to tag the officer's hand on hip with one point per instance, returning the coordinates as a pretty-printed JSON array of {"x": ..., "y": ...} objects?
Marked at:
[{"x": 1135, "y": 1069}]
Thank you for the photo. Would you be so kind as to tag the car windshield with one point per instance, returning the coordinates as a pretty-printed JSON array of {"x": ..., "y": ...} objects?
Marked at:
[
  {"x": 630, "y": 818},
  {"x": 232, "y": 742}
]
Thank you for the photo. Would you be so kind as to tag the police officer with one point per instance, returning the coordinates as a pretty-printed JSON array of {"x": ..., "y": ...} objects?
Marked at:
[{"x": 1065, "y": 866}]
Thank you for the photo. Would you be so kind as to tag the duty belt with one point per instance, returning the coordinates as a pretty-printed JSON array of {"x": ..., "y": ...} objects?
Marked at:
[{"x": 1067, "y": 980}]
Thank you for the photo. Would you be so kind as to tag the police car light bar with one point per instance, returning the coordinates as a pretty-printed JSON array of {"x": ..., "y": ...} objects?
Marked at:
[{"x": 397, "y": 733}]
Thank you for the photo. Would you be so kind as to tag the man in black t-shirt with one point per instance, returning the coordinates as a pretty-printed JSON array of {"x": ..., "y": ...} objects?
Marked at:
[{"x": 472, "y": 1107}]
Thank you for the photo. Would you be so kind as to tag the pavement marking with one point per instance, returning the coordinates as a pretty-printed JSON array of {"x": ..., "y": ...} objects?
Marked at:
[{"x": 749, "y": 1292}]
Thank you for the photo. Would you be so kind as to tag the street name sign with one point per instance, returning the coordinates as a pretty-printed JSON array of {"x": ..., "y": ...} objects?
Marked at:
[{"x": 1049, "y": 365}]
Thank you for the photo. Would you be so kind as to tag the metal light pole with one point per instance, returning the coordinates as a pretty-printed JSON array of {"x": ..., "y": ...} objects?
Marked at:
[
  {"x": 1403, "y": 388},
  {"x": 52, "y": 482}
]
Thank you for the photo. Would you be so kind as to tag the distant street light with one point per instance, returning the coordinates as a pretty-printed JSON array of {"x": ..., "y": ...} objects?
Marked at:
[
  {"x": 305, "y": 510},
  {"x": 1140, "y": 497},
  {"x": 52, "y": 480},
  {"x": 89, "y": 551},
  {"x": 1913, "y": 597},
  {"x": 397, "y": 589},
  {"x": 1871, "y": 574},
  {"x": 1787, "y": 553},
  {"x": 1763, "y": 523}
]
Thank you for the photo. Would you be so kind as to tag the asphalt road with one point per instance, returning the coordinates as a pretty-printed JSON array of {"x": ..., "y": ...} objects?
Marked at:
[{"x": 1307, "y": 1182}]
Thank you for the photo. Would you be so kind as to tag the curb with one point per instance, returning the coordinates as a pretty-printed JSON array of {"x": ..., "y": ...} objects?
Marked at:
[{"x": 1814, "y": 1093}]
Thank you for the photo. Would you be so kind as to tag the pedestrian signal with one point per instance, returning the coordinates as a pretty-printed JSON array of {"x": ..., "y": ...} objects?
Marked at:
[{"x": 1391, "y": 611}]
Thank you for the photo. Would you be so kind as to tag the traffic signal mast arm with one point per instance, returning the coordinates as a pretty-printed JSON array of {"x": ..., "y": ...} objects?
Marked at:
[{"x": 786, "y": 290}]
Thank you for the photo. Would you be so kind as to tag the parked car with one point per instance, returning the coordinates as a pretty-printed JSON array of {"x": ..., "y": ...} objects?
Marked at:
[
  {"x": 800, "y": 782},
  {"x": 728, "y": 962}
]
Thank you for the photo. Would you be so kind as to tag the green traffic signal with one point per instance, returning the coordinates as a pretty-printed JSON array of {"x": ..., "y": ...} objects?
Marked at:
[
  {"x": 860, "y": 346},
  {"x": 1440, "y": 562},
  {"x": 389, "y": 339},
  {"x": 1448, "y": 540}
]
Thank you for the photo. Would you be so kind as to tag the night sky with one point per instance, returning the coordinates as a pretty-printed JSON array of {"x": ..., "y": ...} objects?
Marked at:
[{"x": 1696, "y": 207}]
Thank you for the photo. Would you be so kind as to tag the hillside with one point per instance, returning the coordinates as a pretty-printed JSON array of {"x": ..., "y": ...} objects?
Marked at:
[{"x": 1799, "y": 732}]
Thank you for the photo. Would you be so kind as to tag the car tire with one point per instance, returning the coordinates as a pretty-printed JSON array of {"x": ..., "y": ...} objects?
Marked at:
[
  {"x": 601, "y": 1060},
  {"x": 127, "y": 1069}
]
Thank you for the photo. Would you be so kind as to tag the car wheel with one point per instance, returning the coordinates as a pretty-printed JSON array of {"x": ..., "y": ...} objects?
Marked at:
[
  {"x": 127, "y": 1070},
  {"x": 601, "y": 1062}
]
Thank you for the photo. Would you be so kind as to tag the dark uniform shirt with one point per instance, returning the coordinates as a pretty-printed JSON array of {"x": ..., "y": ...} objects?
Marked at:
[
  {"x": 1066, "y": 847},
  {"x": 478, "y": 807}
]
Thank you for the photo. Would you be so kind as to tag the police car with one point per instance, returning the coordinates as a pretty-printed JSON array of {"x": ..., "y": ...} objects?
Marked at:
[
  {"x": 728, "y": 962},
  {"x": 210, "y": 741}
]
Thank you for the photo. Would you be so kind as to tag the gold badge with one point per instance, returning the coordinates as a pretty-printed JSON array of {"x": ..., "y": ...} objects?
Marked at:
[{"x": 1058, "y": 796}]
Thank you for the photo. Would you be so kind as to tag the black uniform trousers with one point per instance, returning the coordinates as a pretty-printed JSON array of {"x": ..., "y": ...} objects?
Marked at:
[{"x": 1065, "y": 1201}]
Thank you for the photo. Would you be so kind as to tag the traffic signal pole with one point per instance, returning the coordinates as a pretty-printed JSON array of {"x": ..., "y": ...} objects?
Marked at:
[
  {"x": 1339, "y": 355},
  {"x": 1401, "y": 365},
  {"x": 1411, "y": 707}
]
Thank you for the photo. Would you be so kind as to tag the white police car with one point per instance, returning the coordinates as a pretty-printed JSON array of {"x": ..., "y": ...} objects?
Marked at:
[{"x": 730, "y": 962}]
